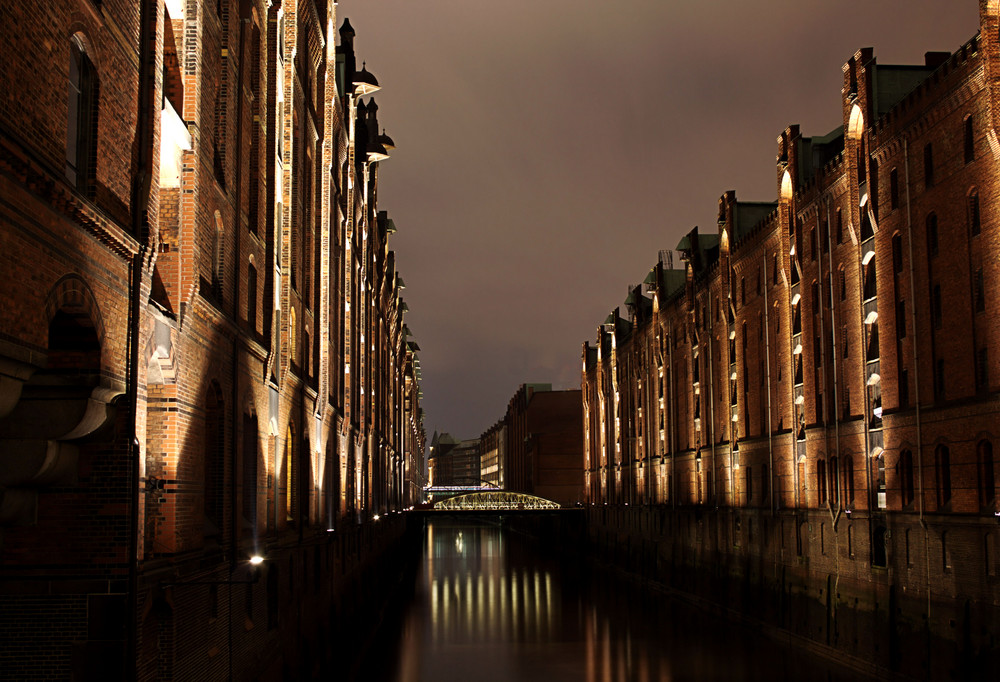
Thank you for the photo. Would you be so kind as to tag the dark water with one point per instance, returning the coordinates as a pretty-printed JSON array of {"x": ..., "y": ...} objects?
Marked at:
[{"x": 490, "y": 605}]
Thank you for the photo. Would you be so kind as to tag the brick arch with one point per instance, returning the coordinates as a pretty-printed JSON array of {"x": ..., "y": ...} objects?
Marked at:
[
  {"x": 71, "y": 292},
  {"x": 80, "y": 30}
]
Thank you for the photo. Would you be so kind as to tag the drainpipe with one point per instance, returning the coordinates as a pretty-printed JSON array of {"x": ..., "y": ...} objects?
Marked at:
[{"x": 139, "y": 204}]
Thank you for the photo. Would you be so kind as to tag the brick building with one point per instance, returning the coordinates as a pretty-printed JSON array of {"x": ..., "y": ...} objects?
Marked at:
[
  {"x": 203, "y": 353},
  {"x": 454, "y": 462},
  {"x": 823, "y": 370},
  {"x": 536, "y": 447}
]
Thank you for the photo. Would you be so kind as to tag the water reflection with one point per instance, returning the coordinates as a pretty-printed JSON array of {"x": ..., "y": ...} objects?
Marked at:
[
  {"x": 477, "y": 596},
  {"x": 489, "y": 605}
]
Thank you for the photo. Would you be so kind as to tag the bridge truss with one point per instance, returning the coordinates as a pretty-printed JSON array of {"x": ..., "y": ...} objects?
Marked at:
[{"x": 495, "y": 500}]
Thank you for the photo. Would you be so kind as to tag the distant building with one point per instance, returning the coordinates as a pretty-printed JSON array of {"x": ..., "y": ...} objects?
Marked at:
[
  {"x": 537, "y": 446},
  {"x": 453, "y": 462}
]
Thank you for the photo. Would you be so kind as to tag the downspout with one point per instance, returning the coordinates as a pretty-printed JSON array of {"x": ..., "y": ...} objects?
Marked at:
[
  {"x": 916, "y": 375},
  {"x": 140, "y": 204}
]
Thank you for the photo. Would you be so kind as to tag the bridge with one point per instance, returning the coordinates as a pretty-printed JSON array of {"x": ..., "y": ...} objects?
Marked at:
[{"x": 494, "y": 500}]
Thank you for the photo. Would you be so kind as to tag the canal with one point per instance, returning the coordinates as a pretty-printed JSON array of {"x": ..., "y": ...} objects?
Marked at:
[{"x": 489, "y": 604}]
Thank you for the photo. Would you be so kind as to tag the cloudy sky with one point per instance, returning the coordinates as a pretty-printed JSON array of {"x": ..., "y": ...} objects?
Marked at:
[{"x": 547, "y": 149}]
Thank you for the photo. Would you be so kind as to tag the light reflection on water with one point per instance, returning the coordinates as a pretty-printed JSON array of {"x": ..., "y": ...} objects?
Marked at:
[{"x": 490, "y": 606}]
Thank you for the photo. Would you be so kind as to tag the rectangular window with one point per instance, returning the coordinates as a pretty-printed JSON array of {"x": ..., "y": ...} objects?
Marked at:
[
  {"x": 840, "y": 227},
  {"x": 897, "y": 254},
  {"x": 928, "y": 166},
  {"x": 942, "y": 461},
  {"x": 812, "y": 244},
  {"x": 939, "y": 379},
  {"x": 904, "y": 388},
  {"x": 900, "y": 319}
]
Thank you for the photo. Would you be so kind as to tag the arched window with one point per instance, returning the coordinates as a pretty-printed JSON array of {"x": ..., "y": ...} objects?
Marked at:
[
  {"x": 304, "y": 483},
  {"x": 289, "y": 477},
  {"x": 834, "y": 482},
  {"x": 975, "y": 221},
  {"x": 970, "y": 149},
  {"x": 81, "y": 123},
  {"x": 218, "y": 257},
  {"x": 942, "y": 467},
  {"x": 987, "y": 482},
  {"x": 848, "y": 465},
  {"x": 252, "y": 298}
]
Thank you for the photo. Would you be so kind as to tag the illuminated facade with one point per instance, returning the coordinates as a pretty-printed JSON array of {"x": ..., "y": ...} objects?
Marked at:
[
  {"x": 821, "y": 372},
  {"x": 201, "y": 306}
]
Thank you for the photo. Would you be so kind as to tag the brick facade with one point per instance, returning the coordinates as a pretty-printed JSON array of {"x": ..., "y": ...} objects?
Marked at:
[
  {"x": 536, "y": 447},
  {"x": 823, "y": 368},
  {"x": 203, "y": 353}
]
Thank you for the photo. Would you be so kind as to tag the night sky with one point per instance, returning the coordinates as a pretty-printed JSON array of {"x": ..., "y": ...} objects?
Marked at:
[{"x": 547, "y": 149}]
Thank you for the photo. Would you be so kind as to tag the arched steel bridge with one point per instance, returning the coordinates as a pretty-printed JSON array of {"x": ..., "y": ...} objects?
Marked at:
[{"x": 494, "y": 500}]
